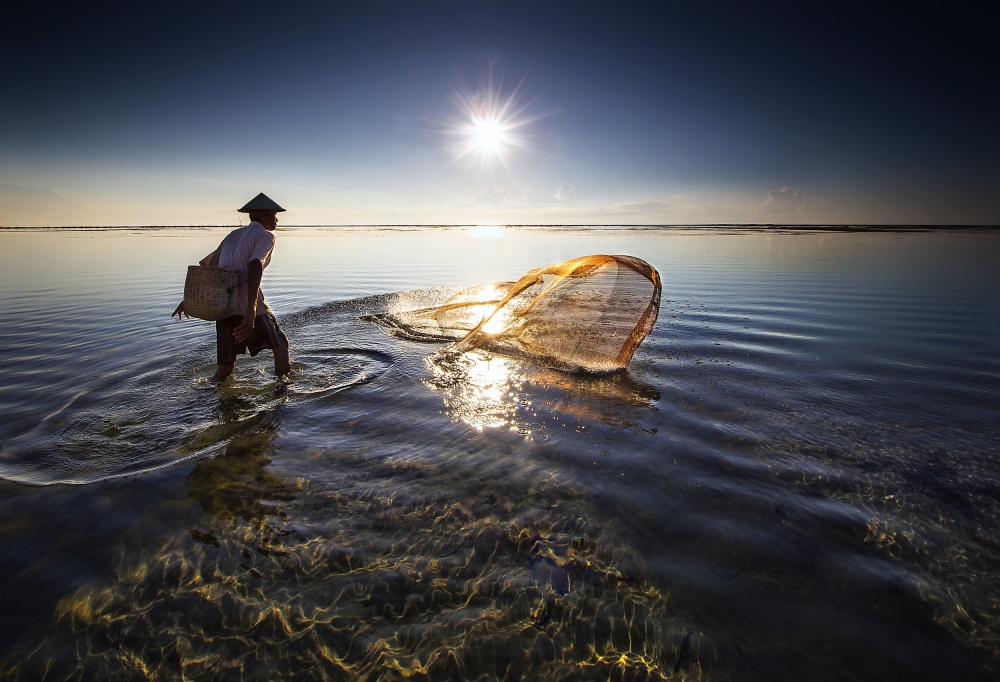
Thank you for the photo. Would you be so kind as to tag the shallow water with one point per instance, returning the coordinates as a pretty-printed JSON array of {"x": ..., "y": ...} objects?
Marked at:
[{"x": 796, "y": 478}]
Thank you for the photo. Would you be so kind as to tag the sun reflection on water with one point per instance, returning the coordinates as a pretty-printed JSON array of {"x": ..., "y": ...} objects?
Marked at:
[
  {"x": 479, "y": 389},
  {"x": 488, "y": 231}
]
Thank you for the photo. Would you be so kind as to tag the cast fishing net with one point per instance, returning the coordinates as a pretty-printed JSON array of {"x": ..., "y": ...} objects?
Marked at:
[{"x": 588, "y": 313}]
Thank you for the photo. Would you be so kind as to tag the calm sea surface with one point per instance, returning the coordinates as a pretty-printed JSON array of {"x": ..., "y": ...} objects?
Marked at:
[{"x": 797, "y": 478}]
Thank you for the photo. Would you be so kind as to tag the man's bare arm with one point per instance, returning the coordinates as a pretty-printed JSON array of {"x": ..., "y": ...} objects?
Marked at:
[
  {"x": 255, "y": 272},
  {"x": 212, "y": 258}
]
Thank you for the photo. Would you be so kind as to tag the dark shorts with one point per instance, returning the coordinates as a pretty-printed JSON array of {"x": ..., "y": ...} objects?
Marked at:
[{"x": 266, "y": 334}]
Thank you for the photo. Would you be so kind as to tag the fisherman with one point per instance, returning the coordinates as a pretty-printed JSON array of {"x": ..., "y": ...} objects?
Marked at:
[{"x": 253, "y": 327}]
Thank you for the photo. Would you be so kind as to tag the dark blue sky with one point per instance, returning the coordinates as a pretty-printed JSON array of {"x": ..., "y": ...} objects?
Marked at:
[{"x": 621, "y": 112}]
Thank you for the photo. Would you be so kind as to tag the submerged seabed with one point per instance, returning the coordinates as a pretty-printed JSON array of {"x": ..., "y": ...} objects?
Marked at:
[{"x": 796, "y": 478}]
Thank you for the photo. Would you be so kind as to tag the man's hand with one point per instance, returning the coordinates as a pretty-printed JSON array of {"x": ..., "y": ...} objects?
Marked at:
[
  {"x": 180, "y": 312},
  {"x": 245, "y": 328}
]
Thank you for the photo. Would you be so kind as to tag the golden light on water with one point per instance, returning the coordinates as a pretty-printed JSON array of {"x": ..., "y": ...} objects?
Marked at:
[
  {"x": 478, "y": 389},
  {"x": 464, "y": 582}
]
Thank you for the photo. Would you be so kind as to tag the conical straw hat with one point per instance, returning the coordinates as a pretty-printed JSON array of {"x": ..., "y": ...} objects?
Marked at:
[{"x": 261, "y": 202}]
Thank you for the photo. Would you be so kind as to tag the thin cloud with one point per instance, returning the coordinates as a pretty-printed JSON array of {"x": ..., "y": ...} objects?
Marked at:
[
  {"x": 643, "y": 207},
  {"x": 564, "y": 195},
  {"x": 492, "y": 195},
  {"x": 785, "y": 200},
  {"x": 538, "y": 196}
]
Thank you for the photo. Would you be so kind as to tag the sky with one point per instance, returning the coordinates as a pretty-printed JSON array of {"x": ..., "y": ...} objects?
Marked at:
[{"x": 474, "y": 112}]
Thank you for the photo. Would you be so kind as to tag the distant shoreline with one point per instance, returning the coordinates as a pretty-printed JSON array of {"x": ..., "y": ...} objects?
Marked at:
[{"x": 705, "y": 226}]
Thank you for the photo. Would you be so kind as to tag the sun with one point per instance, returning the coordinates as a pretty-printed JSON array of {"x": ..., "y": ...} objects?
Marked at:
[
  {"x": 489, "y": 135},
  {"x": 492, "y": 129},
  {"x": 491, "y": 125}
]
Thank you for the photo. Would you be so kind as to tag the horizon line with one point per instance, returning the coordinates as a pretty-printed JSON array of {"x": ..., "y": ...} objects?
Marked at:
[{"x": 797, "y": 226}]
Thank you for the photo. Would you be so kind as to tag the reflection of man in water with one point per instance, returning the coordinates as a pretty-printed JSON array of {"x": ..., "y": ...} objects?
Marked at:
[
  {"x": 237, "y": 483},
  {"x": 253, "y": 327}
]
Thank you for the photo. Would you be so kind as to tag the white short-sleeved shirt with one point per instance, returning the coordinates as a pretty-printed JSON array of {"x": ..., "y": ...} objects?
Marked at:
[{"x": 241, "y": 246}]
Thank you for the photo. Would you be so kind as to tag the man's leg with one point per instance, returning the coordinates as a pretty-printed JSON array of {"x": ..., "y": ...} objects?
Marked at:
[
  {"x": 282, "y": 361},
  {"x": 227, "y": 347},
  {"x": 222, "y": 372},
  {"x": 273, "y": 337}
]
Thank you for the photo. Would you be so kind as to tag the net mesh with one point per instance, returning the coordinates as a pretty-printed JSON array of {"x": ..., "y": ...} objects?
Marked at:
[{"x": 584, "y": 314}]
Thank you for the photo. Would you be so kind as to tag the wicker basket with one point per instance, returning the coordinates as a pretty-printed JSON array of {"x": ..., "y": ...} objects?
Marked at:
[{"x": 210, "y": 292}]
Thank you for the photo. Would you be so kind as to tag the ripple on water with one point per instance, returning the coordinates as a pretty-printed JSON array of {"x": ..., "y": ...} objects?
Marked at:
[
  {"x": 125, "y": 423},
  {"x": 331, "y": 370}
]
